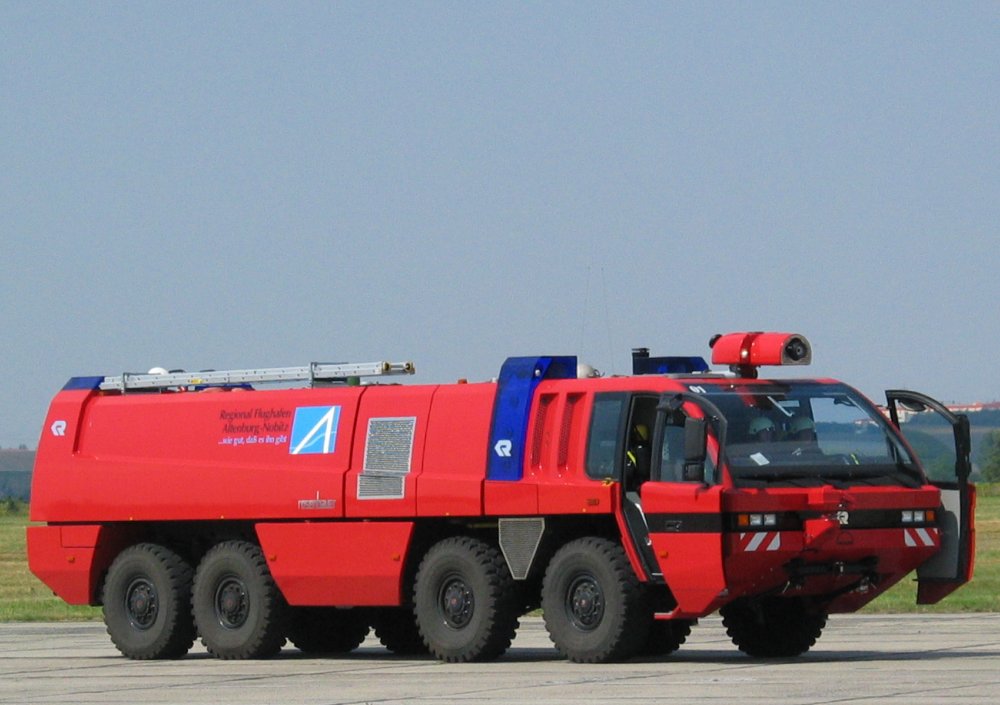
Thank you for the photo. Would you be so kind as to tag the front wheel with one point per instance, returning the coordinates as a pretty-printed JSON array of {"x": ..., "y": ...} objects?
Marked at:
[
  {"x": 147, "y": 603},
  {"x": 594, "y": 607},
  {"x": 238, "y": 609},
  {"x": 773, "y": 627},
  {"x": 464, "y": 601}
]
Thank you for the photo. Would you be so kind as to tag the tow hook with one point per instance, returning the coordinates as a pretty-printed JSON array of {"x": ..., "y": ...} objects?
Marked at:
[{"x": 866, "y": 584}]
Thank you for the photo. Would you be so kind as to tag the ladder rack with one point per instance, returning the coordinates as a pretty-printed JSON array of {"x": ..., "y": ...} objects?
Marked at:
[{"x": 316, "y": 372}]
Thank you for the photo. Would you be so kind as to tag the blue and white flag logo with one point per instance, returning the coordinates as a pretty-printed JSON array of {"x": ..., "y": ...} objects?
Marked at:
[{"x": 314, "y": 430}]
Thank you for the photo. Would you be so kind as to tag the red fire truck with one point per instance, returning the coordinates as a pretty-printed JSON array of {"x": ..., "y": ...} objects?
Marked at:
[{"x": 213, "y": 504}]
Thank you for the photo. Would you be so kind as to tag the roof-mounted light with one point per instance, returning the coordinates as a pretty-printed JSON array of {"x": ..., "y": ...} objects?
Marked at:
[
  {"x": 643, "y": 364},
  {"x": 745, "y": 352}
]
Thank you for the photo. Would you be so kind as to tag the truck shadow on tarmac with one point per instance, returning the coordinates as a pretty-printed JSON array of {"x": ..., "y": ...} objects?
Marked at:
[{"x": 721, "y": 657}]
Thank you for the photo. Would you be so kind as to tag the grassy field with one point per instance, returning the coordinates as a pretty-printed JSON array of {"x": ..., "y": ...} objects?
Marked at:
[{"x": 24, "y": 598}]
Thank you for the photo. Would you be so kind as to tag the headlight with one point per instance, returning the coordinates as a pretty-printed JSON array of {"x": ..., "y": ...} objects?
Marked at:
[
  {"x": 918, "y": 516},
  {"x": 756, "y": 521}
]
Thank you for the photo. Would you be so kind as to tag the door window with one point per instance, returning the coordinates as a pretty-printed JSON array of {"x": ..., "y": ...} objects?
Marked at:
[
  {"x": 604, "y": 445},
  {"x": 931, "y": 436}
]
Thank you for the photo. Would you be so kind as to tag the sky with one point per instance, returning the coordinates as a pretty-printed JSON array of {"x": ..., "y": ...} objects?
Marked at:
[{"x": 232, "y": 185}]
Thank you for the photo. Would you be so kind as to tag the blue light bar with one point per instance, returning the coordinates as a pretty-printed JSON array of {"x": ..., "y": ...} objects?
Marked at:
[
  {"x": 84, "y": 383},
  {"x": 671, "y": 365},
  {"x": 516, "y": 385}
]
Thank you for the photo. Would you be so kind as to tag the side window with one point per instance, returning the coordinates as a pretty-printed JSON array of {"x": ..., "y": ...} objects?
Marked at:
[
  {"x": 672, "y": 452},
  {"x": 604, "y": 440}
]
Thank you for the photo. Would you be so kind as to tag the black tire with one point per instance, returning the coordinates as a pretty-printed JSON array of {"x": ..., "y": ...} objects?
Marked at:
[
  {"x": 773, "y": 627},
  {"x": 238, "y": 609},
  {"x": 666, "y": 636},
  {"x": 464, "y": 601},
  {"x": 396, "y": 628},
  {"x": 594, "y": 607},
  {"x": 147, "y": 603},
  {"x": 327, "y": 630}
]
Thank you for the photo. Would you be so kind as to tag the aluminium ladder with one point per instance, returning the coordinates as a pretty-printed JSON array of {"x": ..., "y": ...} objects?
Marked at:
[{"x": 316, "y": 373}]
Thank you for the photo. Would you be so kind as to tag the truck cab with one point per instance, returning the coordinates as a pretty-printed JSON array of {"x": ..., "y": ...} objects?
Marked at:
[{"x": 785, "y": 500}]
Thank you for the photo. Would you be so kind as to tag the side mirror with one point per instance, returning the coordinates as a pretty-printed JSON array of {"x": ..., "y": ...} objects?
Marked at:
[
  {"x": 913, "y": 405},
  {"x": 695, "y": 448}
]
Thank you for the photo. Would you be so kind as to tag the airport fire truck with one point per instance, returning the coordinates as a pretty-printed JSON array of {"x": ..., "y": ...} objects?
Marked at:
[{"x": 311, "y": 504}]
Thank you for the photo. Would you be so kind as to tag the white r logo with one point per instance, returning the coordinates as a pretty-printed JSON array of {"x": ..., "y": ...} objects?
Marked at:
[
  {"x": 58, "y": 428},
  {"x": 502, "y": 448}
]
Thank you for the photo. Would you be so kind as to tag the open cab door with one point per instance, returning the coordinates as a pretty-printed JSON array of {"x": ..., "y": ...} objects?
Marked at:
[
  {"x": 683, "y": 503},
  {"x": 941, "y": 439}
]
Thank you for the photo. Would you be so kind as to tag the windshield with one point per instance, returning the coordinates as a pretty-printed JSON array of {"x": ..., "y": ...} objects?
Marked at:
[{"x": 809, "y": 433}]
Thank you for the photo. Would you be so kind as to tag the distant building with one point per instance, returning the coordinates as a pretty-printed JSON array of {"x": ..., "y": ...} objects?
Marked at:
[
  {"x": 974, "y": 407},
  {"x": 15, "y": 473}
]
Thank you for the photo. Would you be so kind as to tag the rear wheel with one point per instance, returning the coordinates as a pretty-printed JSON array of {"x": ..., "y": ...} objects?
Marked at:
[
  {"x": 464, "y": 601},
  {"x": 327, "y": 630},
  {"x": 773, "y": 627},
  {"x": 594, "y": 608},
  {"x": 146, "y": 600},
  {"x": 396, "y": 628},
  {"x": 666, "y": 636},
  {"x": 238, "y": 609}
]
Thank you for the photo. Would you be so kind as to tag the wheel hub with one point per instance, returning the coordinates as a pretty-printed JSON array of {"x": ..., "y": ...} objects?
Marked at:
[
  {"x": 141, "y": 603},
  {"x": 457, "y": 602},
  {"x": 585, "y": 603},
  {"x": 232, "y": 604}
]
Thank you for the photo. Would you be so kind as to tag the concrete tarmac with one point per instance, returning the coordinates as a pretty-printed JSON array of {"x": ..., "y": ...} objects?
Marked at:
[{"x": 912, "y": 659}]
